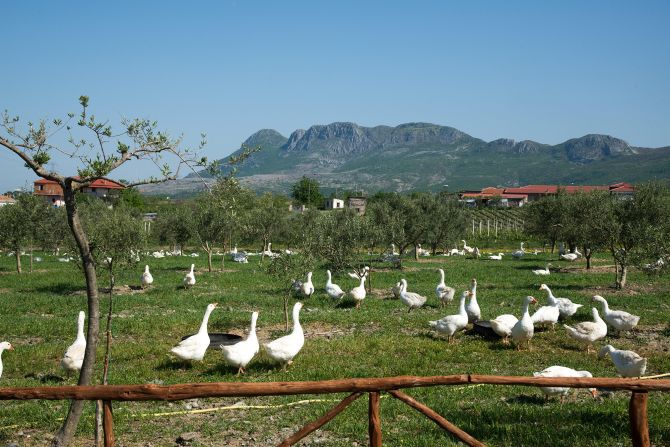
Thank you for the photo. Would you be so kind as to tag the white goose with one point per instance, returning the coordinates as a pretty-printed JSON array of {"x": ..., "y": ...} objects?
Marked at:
[
  {"x": 502, "y": 325},
  {"x": 618, "y": 319},
  {"x": 395, "y": 290},
  {"x": 546, "y": 315},
  {"x": 241, "y": 353},
  {"x": 519, "y": 253},
  {"x": 146, "y": 278},
  {"x": 467, "y": 248},
  {"x": 307, "y": 288},
  {"x": 453, "y": 323},
  {"x": 523, "y": 330},
  {"x": 542, "y": 272},
  {"x": 497, "y": 257},
  {"x": 268, "y": 250},
  {"x": 74, "y": 355},
  {"x": 285, "y": 348},
  {"x": 588, "y": 331},
  {"x": 410, "y": 299},
  {"x": 627, "y": 363},
  {"x": 569, "y": 257},
  {"x": 566, "y": 307},
  {"x": 195, "y": 346},
  {"x": 444, "y": 293},
  {"x": 472, "y": 308},
  {"x": 333, "y": 290},
  {"x": 561, "y": 371},
  {"x": 189, "y": 279},
  {"x": 4, "y": 346},
  {"x": 358, "y": 292}
]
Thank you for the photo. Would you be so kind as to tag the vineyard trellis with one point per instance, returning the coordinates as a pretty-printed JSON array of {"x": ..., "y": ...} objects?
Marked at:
[{"x": 495, "y": 222}]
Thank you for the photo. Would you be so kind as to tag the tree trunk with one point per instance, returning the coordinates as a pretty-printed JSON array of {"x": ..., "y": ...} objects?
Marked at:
[
  {"x": 31, "y": 257},
  {"x": 587, "y": 256},
  {"x": 105, "y": 371},
  {"x": 416, "y": 252},
  {"x": 208, "y": 250},
  {"x": 623, "y": 274},
  {"x": 223, "y": 258},
  {"x": 67, "y": 431},
  {"x": 17, "y": 255}
]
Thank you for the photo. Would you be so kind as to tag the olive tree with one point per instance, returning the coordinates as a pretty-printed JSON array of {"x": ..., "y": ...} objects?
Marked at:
[
  {"x": 447, "y": 221},
  {"x": 638, "y": 223},
  {"x": 99, "y": 150},
  {"x": 588, "y": 221},
  {"x": 20, "y": 223},
  {"x": 116, "y": 237},
  {"x": 267, "y": 219},
  {"x": 545, "y": 218}
]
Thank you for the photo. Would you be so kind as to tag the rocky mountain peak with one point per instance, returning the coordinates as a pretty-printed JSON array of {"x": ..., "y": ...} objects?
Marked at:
[{"x": 595, "y": 147}]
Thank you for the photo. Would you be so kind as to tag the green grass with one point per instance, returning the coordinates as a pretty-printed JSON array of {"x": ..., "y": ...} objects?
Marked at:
[{"x": 38, "y": 315}]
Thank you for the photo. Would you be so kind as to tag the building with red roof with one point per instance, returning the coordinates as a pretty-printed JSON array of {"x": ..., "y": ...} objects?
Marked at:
[
  {"x": 53, "y": 193},
  {"x": 518, "y": 196},
  {"x": 6, "y": 200}
]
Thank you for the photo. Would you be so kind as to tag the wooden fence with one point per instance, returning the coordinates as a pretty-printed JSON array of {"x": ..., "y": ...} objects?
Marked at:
[{"x": 373, "y": 386}]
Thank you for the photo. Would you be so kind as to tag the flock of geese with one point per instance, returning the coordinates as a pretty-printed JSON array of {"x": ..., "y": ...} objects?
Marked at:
[{"x": 519, "y": 330}]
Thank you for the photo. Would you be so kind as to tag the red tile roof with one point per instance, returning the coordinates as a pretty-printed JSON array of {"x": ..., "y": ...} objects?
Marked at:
[
  {"x": 490, "y": 191},
  {"x": 6, "y": 199},
  {"x": 98, "y": 183}
]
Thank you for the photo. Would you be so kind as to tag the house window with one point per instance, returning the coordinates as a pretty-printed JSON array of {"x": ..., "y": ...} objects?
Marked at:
[{"x": 40, "y": 187}]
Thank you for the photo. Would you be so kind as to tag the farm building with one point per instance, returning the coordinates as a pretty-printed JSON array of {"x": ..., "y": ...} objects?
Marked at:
[
  {"x": 334, "y": 204},
  {"x": 53, "y": 193},
  {"x": 518, "y": 196},
  {"x": 357, "y": 204},
  {"x": 6, "y": 200}
]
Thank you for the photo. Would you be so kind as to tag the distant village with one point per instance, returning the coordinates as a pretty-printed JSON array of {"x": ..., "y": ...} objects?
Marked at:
[{"x": 491, "y": 196}]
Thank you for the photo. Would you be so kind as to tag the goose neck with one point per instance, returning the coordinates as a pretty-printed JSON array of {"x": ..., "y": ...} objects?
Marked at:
[
  {"x": 297, "y": 328},
  {"x": 461, "y": 306},
  {"x": 205, "y": 319},
  {"x": 252, "y": 327},
  {"x": 80, "y": 327},
  {"x": 441, "y": 275},
  {"x": 606, "y": 307}
]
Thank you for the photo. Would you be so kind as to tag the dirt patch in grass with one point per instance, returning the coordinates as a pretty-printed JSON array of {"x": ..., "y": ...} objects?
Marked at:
[
  {"x": 429, "y": 261},
  {"x": 583, "y": 269},
  {"x": 21, "y": 341},
  {"x": 382, "y": 294},
  {"x": 651, "y": 339},
  {"x": 391, "y": 270},
  {"x": 314, "y": 330},
  {"x": 118, "y": 290},
  {"x": 630, "y": 290}
]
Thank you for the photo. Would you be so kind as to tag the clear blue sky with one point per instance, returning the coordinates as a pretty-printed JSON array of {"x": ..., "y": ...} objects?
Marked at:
[{"x": 517, "y": 69}]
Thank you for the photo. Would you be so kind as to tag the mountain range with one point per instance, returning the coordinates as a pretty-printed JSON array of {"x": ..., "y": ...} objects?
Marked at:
[{"x": 422, "y": 156}]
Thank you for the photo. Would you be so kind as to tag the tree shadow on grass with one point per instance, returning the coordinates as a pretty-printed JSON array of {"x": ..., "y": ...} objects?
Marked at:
[
  {"x": 174, "y": 365},
  {"x": 59, "y": 288},
  {"x": 346, "y": 304},
  {"x": 45, "y": 378},
  {"x": 255, "y": 367}
]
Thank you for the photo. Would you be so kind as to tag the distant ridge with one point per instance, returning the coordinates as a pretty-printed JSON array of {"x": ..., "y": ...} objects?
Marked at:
[{"x": 424, "y": 156}]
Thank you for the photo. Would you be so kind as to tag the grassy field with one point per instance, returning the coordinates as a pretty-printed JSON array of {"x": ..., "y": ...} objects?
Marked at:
[{"x": 38, "y": 314}]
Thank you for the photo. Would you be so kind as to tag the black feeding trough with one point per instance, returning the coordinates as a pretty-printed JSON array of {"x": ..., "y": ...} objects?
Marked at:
[
  {"x": 217, "y": 339},
  {"x": 483, "y": 328}
]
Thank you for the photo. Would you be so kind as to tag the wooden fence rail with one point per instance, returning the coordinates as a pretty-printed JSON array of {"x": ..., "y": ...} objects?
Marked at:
[{"x": 373, "y": 386}]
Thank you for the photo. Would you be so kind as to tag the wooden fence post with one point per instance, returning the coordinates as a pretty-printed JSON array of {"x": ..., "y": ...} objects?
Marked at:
[
  {"x": 637, "y": 412},
  {"x": 108, "y": 423},
  {"x": 374, "y": 426}
]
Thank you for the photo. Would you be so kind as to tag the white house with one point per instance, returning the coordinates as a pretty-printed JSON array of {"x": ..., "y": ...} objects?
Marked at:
[{"x": 334, "y": 204}]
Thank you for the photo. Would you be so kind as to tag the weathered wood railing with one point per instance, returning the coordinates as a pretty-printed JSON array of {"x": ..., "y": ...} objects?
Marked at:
[{"x": 373, "y": 386}]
